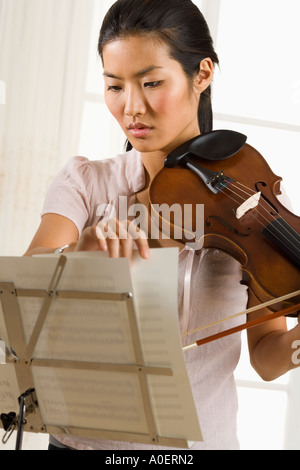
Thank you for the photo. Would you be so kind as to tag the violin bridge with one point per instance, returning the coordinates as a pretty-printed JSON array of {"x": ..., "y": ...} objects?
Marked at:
[{"x": 249, "y": 204}]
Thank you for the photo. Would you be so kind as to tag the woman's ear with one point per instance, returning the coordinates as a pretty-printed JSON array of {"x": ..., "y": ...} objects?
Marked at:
[{"x": 205, "y": 75}]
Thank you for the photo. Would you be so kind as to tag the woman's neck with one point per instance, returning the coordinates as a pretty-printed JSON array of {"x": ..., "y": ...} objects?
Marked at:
[{"x": 153, "y": 163}]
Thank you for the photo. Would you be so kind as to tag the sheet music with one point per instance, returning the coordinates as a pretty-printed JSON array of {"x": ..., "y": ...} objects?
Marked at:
[
  {"x": 77, "y": 333},
  {"x": 99, "y": 331},
  {"x": 106, "y": 400},
  {"x": 155, "y": 287}
]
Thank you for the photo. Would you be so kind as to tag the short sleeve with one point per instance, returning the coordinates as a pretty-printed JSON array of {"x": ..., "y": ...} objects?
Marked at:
[{"x": 69, "y": 194}]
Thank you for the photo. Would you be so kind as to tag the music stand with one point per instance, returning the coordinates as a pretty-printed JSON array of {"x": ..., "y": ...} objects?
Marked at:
[{"x": 57, "y": 395}]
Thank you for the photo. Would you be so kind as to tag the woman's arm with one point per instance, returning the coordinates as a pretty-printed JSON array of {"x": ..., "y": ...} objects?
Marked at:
[
  {"x": 271, "y": 345},
  {"x": 56, "y": 231}
]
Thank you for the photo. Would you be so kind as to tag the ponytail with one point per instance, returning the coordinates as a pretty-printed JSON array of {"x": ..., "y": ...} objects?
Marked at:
[{"x": 205, "y": 113}]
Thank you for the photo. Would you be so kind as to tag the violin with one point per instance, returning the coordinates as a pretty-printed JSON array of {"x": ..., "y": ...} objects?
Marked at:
[{"x": 242, "y": 213}]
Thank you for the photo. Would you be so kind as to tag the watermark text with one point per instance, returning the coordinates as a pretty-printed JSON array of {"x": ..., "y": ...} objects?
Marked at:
[
  {"x": 160, "y": 222},
  {"x": 296, "y": 354}
]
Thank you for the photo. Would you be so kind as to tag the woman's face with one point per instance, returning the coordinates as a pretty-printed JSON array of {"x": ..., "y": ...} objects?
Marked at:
[{"x": 149, "y": 94}]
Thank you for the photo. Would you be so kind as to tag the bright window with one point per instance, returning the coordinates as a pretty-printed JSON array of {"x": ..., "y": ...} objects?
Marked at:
[
  {"x": 257, "y": 88},
  {"x": 100, "y": 136}
]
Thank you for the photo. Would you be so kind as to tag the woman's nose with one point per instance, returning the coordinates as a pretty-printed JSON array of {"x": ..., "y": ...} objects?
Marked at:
[{"x": 135, "y": 103}]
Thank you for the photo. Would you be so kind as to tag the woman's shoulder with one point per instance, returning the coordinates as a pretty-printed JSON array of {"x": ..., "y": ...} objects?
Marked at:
[
  {"x": 83, "y": 184},
  {"x": 126, "y": 170}
]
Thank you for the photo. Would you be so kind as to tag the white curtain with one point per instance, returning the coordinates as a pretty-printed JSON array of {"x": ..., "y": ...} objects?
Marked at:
[{"x": 43, "y": 58}]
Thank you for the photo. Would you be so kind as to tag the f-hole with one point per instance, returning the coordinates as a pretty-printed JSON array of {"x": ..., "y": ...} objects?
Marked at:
[{"x": 263, "y": 184}]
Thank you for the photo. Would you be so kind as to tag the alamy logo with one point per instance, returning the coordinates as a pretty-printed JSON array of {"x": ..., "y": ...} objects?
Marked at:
[
  {"x": 187, "y": 222},
  {"x": 2, "y": 92},
  {"x": 296, "y": 354}
]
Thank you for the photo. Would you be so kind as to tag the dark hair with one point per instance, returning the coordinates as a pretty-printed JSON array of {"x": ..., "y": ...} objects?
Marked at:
[{"x": 179, "y": 23}]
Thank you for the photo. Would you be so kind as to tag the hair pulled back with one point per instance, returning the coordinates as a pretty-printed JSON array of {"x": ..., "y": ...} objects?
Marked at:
[{"x": 179, "y": 23}]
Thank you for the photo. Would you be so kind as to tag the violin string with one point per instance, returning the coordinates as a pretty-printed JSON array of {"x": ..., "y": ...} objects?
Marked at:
[
  {"x": 297, "y": 236},
  {"x": 281, "y": 231},
  {"x": 250, "y": 195},
  {"x": 279, "y": 220},
  {"x": 291, "y": 232},
  {"x": 285, "y": 235},
  {"x": 244, "y": 200},
  {"x": 238, "y": 202},
  {"x": 259, "y": 205},
  {"x": 265, "y": 208}
]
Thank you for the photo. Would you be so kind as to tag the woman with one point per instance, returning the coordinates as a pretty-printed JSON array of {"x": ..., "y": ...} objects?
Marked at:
[{"x": 158, "y": 61}]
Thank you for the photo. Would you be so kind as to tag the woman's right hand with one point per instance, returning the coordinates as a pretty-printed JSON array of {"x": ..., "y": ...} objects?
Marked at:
[{"x": 117, "y": 238}]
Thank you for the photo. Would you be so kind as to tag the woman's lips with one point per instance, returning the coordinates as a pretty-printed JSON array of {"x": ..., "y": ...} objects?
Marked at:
[{"x": 139, "y": 130}]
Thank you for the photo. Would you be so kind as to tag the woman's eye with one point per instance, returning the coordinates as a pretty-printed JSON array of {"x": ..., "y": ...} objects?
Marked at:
[
  {"x": 114, "y": 88},
  {"x": 152, "y": 84}
]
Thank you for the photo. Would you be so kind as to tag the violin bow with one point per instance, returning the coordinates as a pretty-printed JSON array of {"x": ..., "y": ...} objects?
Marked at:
[{"x": 247, "y": 325}]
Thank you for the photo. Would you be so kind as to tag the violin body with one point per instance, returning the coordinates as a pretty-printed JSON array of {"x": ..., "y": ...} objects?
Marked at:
[{"x": 264, "y": 239}]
